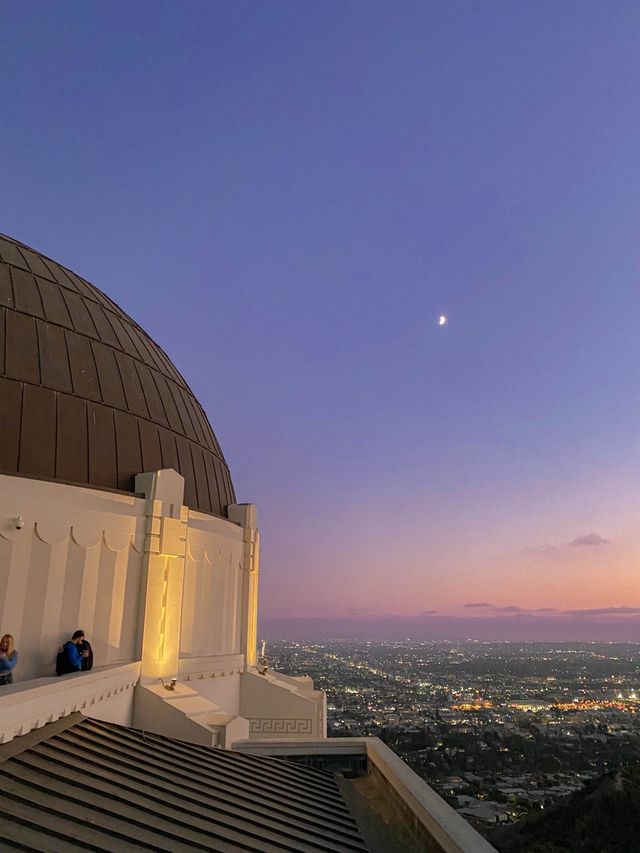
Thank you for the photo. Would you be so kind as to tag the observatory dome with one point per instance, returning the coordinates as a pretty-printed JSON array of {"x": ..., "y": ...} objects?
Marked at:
[{"x": 87, "y": 397}]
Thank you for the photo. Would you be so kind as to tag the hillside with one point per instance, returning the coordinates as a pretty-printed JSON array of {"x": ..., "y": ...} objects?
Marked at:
[{"x": 603, "y": 818}]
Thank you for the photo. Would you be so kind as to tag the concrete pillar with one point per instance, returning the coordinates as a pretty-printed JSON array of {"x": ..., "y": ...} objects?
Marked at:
[
  {"x": 245, "y": 516},
  {"x": 163, "y": 577}
]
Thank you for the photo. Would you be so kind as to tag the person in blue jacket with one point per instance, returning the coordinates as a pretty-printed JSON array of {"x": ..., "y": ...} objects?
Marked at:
[
  {"x": 74, "y": 651},
  {"x": 8, "y": 659}
]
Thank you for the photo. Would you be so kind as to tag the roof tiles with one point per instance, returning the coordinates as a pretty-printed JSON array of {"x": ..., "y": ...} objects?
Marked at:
[{"x": 90, "y": 785}]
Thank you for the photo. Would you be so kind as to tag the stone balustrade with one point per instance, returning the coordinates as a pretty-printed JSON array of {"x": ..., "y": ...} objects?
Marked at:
[{"x": 105, "y": 693}]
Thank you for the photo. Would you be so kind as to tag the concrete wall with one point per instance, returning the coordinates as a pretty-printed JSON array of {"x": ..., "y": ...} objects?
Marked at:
[
  {"x": 280, "y": 707},
  {"x": 223, "y": 690},
  {"x": 80, "y": 560},
  {"x": 152, "y": 581},
  {"x": 75, "y": 563},
  {"x": 212, "y": 593},
  {"x": 106, "y": 694},
  {"x": 115, "y": 709}
]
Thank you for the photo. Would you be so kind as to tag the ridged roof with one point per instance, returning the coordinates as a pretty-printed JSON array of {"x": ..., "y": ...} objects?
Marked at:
[
  {"x": 86, "y": 396},
  {"x": 91, "y": 785}
]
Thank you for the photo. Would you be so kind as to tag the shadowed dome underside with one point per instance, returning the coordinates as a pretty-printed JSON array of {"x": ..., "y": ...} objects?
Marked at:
[{"x": 86, "y": 396}]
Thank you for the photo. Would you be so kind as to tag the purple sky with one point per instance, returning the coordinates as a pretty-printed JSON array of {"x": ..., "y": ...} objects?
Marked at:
[{"x": 286, "y": 195}]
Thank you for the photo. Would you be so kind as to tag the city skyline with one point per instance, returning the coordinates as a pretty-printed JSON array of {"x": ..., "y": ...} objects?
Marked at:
[
  {"x": 300, "y": 192},
  {"x": 501, "y": 730}
]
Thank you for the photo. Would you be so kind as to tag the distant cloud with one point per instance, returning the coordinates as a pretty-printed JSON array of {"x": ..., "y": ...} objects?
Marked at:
[
  {"x": 532, "y": 611},
  {"x": 588, "y": 539},
  {"x": 479, "y": 604},
  {"x": 605, "y": 611},
  {"x": 428, "y": 612}
]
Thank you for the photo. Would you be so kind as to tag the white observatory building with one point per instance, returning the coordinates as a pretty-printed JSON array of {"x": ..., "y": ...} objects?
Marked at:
[{"x": 118, "y": 516}]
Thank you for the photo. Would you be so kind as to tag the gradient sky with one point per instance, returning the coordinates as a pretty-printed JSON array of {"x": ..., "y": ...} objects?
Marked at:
[{"x": 286, "y": 195}]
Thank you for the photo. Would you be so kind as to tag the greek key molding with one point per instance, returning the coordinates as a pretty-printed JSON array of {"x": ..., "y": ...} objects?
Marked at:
[{"x": 280, "y": 726}]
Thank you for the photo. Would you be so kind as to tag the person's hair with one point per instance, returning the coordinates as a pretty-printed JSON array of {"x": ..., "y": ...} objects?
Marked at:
[
  {"x": 10, "y": 644},
  {"x": 77, "y": 634}
]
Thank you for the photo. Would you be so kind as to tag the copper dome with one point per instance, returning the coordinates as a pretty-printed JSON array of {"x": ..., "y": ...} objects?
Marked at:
[{"x": 86, "y": 396}]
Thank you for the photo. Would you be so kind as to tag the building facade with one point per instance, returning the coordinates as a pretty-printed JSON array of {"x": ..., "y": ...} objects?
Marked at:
[{"x": 118, "y": 515}]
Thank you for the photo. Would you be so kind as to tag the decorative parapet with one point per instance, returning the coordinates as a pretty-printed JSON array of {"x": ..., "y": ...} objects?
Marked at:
[
  {"x": 193, "y": 669},
  {"x": 29, "y": 705},
  {"x": 426, "y": 815}
]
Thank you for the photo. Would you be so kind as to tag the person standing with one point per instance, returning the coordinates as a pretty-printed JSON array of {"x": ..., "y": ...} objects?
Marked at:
[{"x": 8, "y": 659}]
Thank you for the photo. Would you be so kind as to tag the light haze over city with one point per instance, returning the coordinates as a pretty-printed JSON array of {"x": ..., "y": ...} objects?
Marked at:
[{"x": 297, "y": 192}]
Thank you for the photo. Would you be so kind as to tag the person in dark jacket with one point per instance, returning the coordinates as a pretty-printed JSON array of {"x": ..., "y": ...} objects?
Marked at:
[
  {"x": 84, "y": 648},
  {"x": 75, "y": 652},
  {"x": 8, "y": 659}
]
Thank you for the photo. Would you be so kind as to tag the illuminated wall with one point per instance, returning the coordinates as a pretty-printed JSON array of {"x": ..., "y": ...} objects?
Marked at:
[
  {"x": 212, "y": 593},
  {"x": 76, "y": 562},
  {"x": 144, "y": 577},
  {"x": 150, "y": 581}
]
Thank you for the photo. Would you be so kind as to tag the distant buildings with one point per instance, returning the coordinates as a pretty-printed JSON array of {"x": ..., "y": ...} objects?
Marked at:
[{"x": 496, "y": 748}]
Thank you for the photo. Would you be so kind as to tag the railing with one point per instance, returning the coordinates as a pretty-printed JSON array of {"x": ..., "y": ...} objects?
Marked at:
[{"x": 28, "y": 705}]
